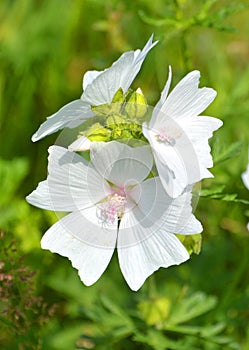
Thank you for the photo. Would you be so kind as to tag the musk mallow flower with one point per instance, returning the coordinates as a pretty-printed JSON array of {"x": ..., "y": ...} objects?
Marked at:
[
  {"x": 179, "y": 136},
  {"x": 99, "y": 88},
  {"x": 245, "y": 179},
  {"x": 113, "y": 203},
  {"x": 122, "y": 120}
]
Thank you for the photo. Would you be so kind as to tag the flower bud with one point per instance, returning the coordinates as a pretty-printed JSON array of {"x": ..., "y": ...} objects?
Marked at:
[
  {"x": 115, "y": 120},
  {"x": 97, "y": 132},
  {"x": 136, "y": 105}
]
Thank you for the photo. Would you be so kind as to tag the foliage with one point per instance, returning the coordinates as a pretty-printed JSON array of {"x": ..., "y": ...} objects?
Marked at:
[
  {"x": 45, "y": 48},
  {"x": 22, "y": 312}
]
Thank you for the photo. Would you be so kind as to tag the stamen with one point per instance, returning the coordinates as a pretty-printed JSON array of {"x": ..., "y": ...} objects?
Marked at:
[
  {"x": 166, "y": 139},
  {"x": 111, "y": 209},
  {"x": 168, "y": 135}
]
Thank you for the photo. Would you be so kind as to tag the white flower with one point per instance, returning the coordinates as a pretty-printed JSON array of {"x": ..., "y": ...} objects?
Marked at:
[
  {"x": 179, "y": 137},
  {"x": 245, "y": 178},
  {"x": 99, "y": 88},
  {"x": 112, "y": 204},
  {"x": 81, "y": 144}
]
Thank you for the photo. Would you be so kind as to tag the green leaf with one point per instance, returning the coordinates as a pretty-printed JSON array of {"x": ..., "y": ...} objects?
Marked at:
[
  {"x": 202, "y": 331},
  {"x": 158, "y": 341},
  {"x": 216, "y": 192},
  {"x": 207, "y": 192},
  {"x": 222, "y": 153},
  {"x": 66, "y": 338},
  {"x": 191, "y": 307},
  {"x": 115, "y": 309},
  {"x": 12, "y": 173},
  {"x": 191, "y": 242},
  {"x": 157, "y": 22}
]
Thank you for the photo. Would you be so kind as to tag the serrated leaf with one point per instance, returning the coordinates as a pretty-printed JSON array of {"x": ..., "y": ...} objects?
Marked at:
[
  {"x": 155, "y": 21},
  {"x": 191, "y": 307},
  {"x": 156, "y": 340},
  {"x": 206, "y": 192},
  {"x": 216, "y": 193},
  {"x": 220, "y": 154},
  {"x": 203, "y": 331},
  {"x": 114, "y": 308}
]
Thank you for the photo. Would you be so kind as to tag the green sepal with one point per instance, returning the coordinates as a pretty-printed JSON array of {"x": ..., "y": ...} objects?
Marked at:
[
  {"x": 98, "y": 133},
  {"x": 191, "y": 242},
  {"x": 119, "y": 96},
  {"x": 110, "y": 108},
  {"x": 101, "y": 110},
  {"x": 128, "y": 130},
  {"x": 114, "y": 120},
  {"x": 120, "y": 132}
]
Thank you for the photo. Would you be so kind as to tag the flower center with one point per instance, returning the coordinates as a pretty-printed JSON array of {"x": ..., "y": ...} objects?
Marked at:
[
  {"x": 168, "y": 135},
  {"x": 111, "y": 209},
  {"x": 166, "y": 139}
]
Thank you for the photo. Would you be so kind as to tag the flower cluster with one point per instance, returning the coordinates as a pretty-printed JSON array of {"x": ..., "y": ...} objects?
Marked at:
[{"x": 134, "y": 191}]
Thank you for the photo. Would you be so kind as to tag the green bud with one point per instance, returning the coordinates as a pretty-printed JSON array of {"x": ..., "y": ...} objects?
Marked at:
[
  {"x": 120, "y": 132},
  {"x": 110, "y": 108},
  {"x": 114, "y": 120},
  {"x": 98, "y": 133},
  {"x": 155, "y": 312},
  {"x": 119, "y": 96},
  {"x": 191, "y": 242},
  {"x": 136, "y": 105}
]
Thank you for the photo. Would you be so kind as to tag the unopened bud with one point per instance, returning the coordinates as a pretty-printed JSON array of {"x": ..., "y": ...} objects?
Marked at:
[
  {"x": 97, "y": 132},
  {"x": 114, "y": 120},
  {"x": 136, "y": 105}
]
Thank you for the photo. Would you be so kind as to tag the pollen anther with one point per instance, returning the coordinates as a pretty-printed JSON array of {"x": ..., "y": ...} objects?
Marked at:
[{"x": 111, "y": 209}]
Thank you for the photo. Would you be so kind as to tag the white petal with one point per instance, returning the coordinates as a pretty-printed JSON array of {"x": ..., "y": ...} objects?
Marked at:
[
  {"x": 71, "y": 115},
  {"x": 89, "y": 77},
  {"x": 186, "y": 161},
  {"x": 120, "y": 163},
  {"x": 180, "y": 218},
  {"x": 72, "y": 184},
  {"x": 245, "y": 177},
  {"x": 174, "y": 184},
  {"x": 81, "y": 144},
  {"x": 176, "y": 165},
  {"x": 198, "y": 130},
  {"x": 173, "y": 215},
  {"x": 145, "y": 238},
  {"x": 41, "y": 196},
  {"x": 187, "y": 99},
  {"x": 88, "y": 245},
  {"x": 163, "y": 97},
  {"x": 153, "y": 249},
  {"x": 120, "y": 75}
]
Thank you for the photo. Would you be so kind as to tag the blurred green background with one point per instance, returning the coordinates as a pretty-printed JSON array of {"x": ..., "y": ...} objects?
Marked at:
[{"x": 45, "y": 48}]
